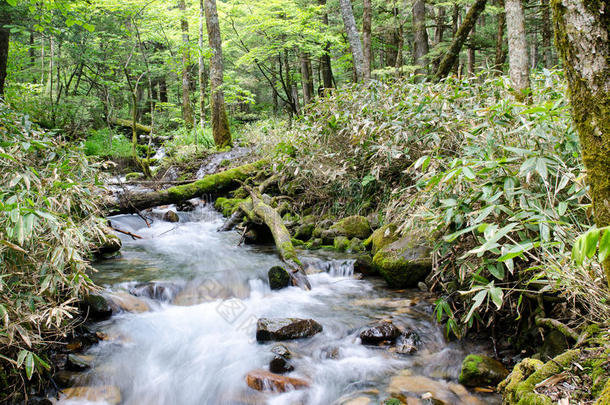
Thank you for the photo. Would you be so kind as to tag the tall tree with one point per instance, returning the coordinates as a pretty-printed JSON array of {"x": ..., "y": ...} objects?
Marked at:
[
  {"x": 547, "y": 51},
  {"x": 452, "y": 55},
  {"x": 420, "y": 35},
  {"x": 367, "y": 17},
  {"x": 4, "y": 43},
  {"x": 353, "y": 38},
  {"x": 517, "y": 48},
  {"x": 220, "y": 122},
  {"x": 202, "y": 81},
  {"x": 187, "y": 110},
  {"x": 306, "y": 78},
  {"x": 500, "y": 54},
  {"x": 325, "y": 62},
  {"x": 582, "y": 32}
]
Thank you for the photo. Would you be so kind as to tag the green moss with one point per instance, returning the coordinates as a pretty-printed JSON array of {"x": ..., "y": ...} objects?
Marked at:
[
  {"x": 227, "y": 205},
  {"x": 382, "y": 237},
  {"x": 356, "y": 246},
  {"x": 353, "y": 227},
  {"x": 297, "y": 242},
  {"x": 133, "y": 176},
  {"x": 522, "y": 370},
  {"x": 604, "y": 397},
  {"x": 403, "y": 263},
  {"x": 479, "y": 370},
  {"x": 304, "y": 231},
  {"x": 341, "y": 243}
]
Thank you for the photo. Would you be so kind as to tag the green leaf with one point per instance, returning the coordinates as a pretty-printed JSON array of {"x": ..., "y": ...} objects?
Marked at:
[
  {"x": 604, "y": 246},
  {"x": 21, "y": 357},
  {"x": 477, "y": 301},
  {"x": 496, "y": 270},
  {"x": 591, "y": 241},
  {"x": 12, "y": 2},
  {"x": 29, "y": 365},
  {"x": 497, "y": 296}
]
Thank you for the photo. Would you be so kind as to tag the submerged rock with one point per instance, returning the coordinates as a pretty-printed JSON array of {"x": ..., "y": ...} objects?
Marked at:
[
  {"x": 154, "y": 291},
  {"x": 278, "y": 278},
  {"x": 109, "y": 394},
  {"x": 286, "y": 329},
  {"x": 122, "y": 301},
  {"x": 432, "y": 391},
  {"x": 407, "y": 343},
  {"x": 404, "y": 263},
  {"x": 355, "y": 226},
  {"x": 262, "y": 380},
  {"x": 281, "y": 350},
  {"x": 280, "y": 365},
  {"x": 480, "y": 370},
  {"x": 96, "y": 307},
  {"x": 78, "y": 362},
  {"x": 171, "y": 216},
  {"x": 381, "y": 332}
]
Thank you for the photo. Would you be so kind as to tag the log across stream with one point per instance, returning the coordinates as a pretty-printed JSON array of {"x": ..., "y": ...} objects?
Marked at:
[{"x": 191, "y": 339}]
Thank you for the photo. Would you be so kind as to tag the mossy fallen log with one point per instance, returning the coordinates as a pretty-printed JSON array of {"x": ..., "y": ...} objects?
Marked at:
[
  {"x": 258, "y": 210},
  {"x": 212, "y": 184},
  {"x": 129, "y": 124}
]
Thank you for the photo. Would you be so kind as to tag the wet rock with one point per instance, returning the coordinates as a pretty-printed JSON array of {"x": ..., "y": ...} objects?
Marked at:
[
  {"x": 96, "y": 307},
  {"x": 186, "y": 206},
  {"x": 153, "y": 291},
  {"x": 356, "y": 246},
  {"x": 480, "y": 370},
  {"x": 381, "y": 332},
  {"x": 304, "y": 231},
  {"x": 121, "y": 301},
  {"x": 432, "y": 391},
  {"x": 286, "y": 329},
  {"x": 78, "y": 362},
  {"x": 109, "y": 394},
  {"x": 353, "y": 227},
  {"x": 280, "y": 365},
  {"x": 171, "y": 216},
  {"x": 382, "y": 237},
  {"x": 407, "y": 343},
  {"x": 279, "y": 278},
  {"x": 262, "y": 380},
  {"x": 281, "y": 350},
  {"x": 364, "y": 265},
  {"x": 357, "y": 401},
  {"x": 108, "y": 244},
  {"x": 404, "y": 263},
  {"x": 341, "y": 243},
  {"x": 64, "y": 378}
]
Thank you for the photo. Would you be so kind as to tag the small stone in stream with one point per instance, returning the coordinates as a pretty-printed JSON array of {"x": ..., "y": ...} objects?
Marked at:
[
  {"x": 262, "y": 380},
  {"x": 171, "y": 216},
  {"x": 122, "y": 301},
  {"x": 280, "y": 365},
  {"x": 281, "y": 350},
  {"x": 480, "y": 370},
  {"x": 407, "y": 343},
  {"x": 152, "y": 290},
  {"x": 76, "y": 362},
  {"x": 278, "y": 278},
  {"x": 96, "y": 307},
  {"x": 381, "y": 332},
  {"x": 285, "y": 329},
  {"x": 364, "y": 265},
  {"x": 422, "y": 286},
  {"x": 186, "y": 206},
  {"x": 64, "y": 378},
  {"x": 108, "y": 393}
]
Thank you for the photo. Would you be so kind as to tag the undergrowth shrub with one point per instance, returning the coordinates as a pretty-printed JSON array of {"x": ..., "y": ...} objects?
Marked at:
[
  {"x": 497, "y": 187},
  {"x": 107, "y": 143},
  {"x": 49, "y": 217}
]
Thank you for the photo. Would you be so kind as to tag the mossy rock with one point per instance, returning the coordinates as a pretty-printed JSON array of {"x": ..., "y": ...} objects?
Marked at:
[
  {"x": 309, "y": 220},
  {"x": 304, "y": 231},
  {"x": 297, "y": 242},
  {"x": 604, "y": 397},
  {"x": 341, "y": 243},
  {"x": 227, "y": 205},
  {"x": 382, "y": 237},
  {"x": 403, "y": 263},
  {"x": 278, "y": 278},
  {"x": 364, "y": 265},
  {"x": 96, "y": 307},
  {"x": 133, "y": 176},
  {"x": 356, "y": 246},
  {"x": 109, "y": 244},
  {"x": 355, "y": 226},
  {"x": 480, "y": 370}
]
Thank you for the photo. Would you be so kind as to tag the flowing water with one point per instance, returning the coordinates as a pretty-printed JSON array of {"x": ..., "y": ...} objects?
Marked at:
[{"x": 196, "y": 343}]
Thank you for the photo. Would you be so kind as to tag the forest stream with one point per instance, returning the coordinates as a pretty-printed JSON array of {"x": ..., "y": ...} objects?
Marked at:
[{"x": 191, "y": 336}]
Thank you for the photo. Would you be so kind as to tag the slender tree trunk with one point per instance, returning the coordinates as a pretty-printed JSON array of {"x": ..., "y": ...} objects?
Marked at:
[
  {"x": 187, "y": 110},
  {"x": 420, "y": 40},
  {"x": 31, "y": 50},
  {"x": 306, "y": 78},
  {"x": 163, "y": 90},
  {"x": 500, "y": 54},
  {"x": 452, "y": 55},
  {"x": 547, "y": 50},
  {"x": 51, "y": 64},
  {"x": 220, "y": 122},
  {"x": 472, "y": 52},
  {"x": 325, "y": 62},
  {"x": 4, "y": 43},
  {"x": 367, "y": 17},
  {"x": 353, "y": 38},
  {"x": 202, "y": 82},
  {"x": 439, "y": 31},
  {"x": 582, "y": 33},
  {"x": 517, "y": 48},
  {"x": 400, "y": 37}
]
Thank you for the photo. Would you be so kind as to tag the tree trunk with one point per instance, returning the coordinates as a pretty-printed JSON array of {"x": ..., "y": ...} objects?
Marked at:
[
  {"x": 452, "y": 55},
  {"x": 31, "y": 50},
  {"x": 547, "y": 50},
  {"x": 163, "y": 90},
  {"x": 367, "y": 17},
  {"x": 202, "y": 82},
  {"x": 582, "y": 33},
  {"x": 325, "y": 63},
  {"x": 517, "y": 48},
  {"x": 220, "y": 122},
  {"x": 4, "y": 43},
  {"x": 187, "y": 110},
  {"x": 306, "y": 78},
  {"x": 353, "y": 38},
  {"x": 439, "y": 31},
  {"x": 420, "y": 40},
  {"x": 500, "y": 54},
  {"x": 472, "y": 52},
  {"x": 400, "y": 37}
]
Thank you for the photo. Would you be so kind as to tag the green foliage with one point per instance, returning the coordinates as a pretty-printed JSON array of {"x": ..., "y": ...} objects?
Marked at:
[
  {"x": 106, "y": 143},
  {"x": 49, "y": 217}
]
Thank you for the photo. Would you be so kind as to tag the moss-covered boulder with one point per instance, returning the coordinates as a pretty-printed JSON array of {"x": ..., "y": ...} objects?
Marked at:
[
  {"x": 356, "y": 246},
  {"x": 403, "y": 263},
  {"x": 227, "y": 205},
  {"x": 381, "y": 238},
  {"x": 96, "y": 307},
  {"x": 479, "y": 370},
  {"x": 341, "y": 243},
  {"x": 364, "y": 265},
  {"x": 171, "y": 216},
  {"x": 304, "y": 231},
  {"x": 355, "y": 226},
  {"x": 133, "y": 176},
  {"x": 278, "y": 278}
]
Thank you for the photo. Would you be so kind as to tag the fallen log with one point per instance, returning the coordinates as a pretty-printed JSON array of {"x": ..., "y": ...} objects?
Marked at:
[
  {"x": 261, "y": 211},
  {"x": 129, "y": 203},
  {"x": 129, "y": 124}
]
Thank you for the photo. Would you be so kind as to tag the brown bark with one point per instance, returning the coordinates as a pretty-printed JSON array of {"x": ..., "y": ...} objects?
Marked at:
[
  {"x": 4, "y": 44},
  {"x": 367, "y": 17},
  {"x": 420, "y": 40},
  {"x": 220, "y": 122},
  {"x": 452, "y": 55},
  {"x": 547, "y": 52},
  {"x": 325, "y": 62},
  {"x": 472, "y": 52},
  {"x": 582, "y": 33},
  {"x": 517, "y": 48},
  {"x": 187, "y": 110},
  {"x": 500, "y": 53},
  {"x": 306, "y": 78},
  {"x": 201, "y": 72},
  {"x": 353, "y": 38}
]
